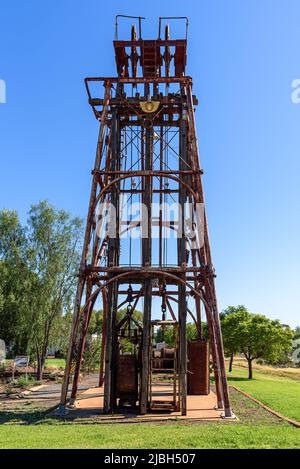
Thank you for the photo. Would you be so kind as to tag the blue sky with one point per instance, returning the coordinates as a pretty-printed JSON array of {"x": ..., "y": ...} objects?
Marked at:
[{"x": 243, "y": 56}]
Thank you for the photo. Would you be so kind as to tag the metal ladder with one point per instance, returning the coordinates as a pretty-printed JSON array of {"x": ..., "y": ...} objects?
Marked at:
[{"x": 161, "y": 404}]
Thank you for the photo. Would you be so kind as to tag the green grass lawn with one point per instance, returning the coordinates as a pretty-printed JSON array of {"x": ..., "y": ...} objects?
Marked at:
[
  {"x": 256, "y": 428},
  {"x": 280, "y": 394},
  {"x": 28, "y": 426},
  {"x": 55, "y": 362},
  {"x": 148, "y": 436}
]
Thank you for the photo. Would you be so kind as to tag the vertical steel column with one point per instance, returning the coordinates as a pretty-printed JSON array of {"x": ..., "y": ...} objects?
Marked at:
[
  {"x": 215, "y": 357},
  {"x": 147, "y": 197},
  {"x": 114, "y": 348},
  {"x": 108, "y": 351},
  {"x": 103, "y": 339},
  {"x": 116, "y": 154},
  {"x": 161, "y": 167},
  {"x": 147, "y": 249},
  {"x": 182, "y": 312},
  {"x": 146, "y": 346},
  {"x": 113, "y": 249},
  {"x": 182, "y": 346}
]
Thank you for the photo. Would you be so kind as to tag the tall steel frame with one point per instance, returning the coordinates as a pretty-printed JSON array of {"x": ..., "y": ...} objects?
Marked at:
[{"x": 147, "y": 152}]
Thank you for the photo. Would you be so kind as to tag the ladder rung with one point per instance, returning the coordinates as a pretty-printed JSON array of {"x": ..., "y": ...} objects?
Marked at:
[
  {"x": 163, "y": 369},
  {"x": 162, "y": 405}
]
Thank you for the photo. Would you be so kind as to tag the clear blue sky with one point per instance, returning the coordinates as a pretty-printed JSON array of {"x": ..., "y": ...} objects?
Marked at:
[{"x": 243, "y": 56}]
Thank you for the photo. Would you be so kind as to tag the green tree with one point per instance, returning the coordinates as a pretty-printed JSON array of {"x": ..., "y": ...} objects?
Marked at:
[
  {"x": 137, "y": 315},
  {"x": 230, "y": 330},
  {"x": 256, "y": 336},
  {"x": 15, "y": 281},
  {"x": 53, "y": 253},
  {"x": 96, "y": 320},
  {"x": 38, "y": 266},
  {"x": 167, "y": 335},
  {"x": 60, "y": 333},
  {"x": 297, "y": 333}
]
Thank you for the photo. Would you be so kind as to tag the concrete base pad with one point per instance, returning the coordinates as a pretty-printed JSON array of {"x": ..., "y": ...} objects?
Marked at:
[{"x": 90, "y": 404}]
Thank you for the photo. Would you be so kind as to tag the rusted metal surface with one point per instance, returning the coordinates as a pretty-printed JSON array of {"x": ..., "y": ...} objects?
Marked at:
[
  {"x": 147, "y": 150},
  {"x": 198, "y": 367},
  {"x": 127, "y": 378}
]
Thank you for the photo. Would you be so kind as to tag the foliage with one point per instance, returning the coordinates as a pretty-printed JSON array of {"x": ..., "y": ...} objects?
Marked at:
[
  {"x": 91, "y": 357},
  {"x": 297, "y": 333},
  {"x": 60, "y": 333},
  {"x": 230, "y": 330},
  {"x": 15, "y": 282},
  {"x": 53, "y": 240},
  {"x": 256, "y": 336},
  {"x": 231, "y": 310},
  {"x": 137, "y": 315},
  {"x": 38, "y": 265},
  {"x": 96, "y": 321},
  {"x": 167, "y": 335},
  {"x": 23, "y": 382}
]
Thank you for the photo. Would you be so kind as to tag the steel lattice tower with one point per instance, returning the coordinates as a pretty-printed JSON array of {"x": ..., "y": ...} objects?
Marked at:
[{"x": 147, "y": 153}]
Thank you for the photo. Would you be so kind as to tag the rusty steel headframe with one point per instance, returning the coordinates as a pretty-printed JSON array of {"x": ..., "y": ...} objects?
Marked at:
[{"x": 147, "y": 151}]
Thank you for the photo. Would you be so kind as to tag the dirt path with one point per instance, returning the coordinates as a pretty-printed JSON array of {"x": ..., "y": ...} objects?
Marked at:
[
  {"x": 52, "y": 390},
  {"x": 33, "y": 406}
]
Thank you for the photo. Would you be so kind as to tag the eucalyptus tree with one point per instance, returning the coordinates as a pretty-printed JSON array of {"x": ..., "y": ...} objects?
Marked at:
[
  {"x": 53, "y": 253},
  {"x": 15, "y": 282}
]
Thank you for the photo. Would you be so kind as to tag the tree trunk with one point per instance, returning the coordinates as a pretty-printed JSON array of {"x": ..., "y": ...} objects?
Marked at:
[
  {"x": 41, "y": 356},
  {"x": 39, "y": 372},
  {"x": 250, "y": 372},
  {"x": 40, "y": 366},
  {"x": 231, "y": 362}
]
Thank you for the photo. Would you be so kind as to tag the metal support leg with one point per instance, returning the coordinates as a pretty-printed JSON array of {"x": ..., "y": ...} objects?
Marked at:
[
  {"x": 65, "y": 384},
  {"x": 215, "y": 359},
  {"x": 146, "y": 345},
  {"x": 108, "y": 352},
  {"x": 103, "y": 341},
  {"x": 182, "y": 347}
]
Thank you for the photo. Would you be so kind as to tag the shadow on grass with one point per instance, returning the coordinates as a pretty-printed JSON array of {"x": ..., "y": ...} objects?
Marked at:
[
  {"x": 236, "y": 379},
  {"x": 22, "y": 416}
]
